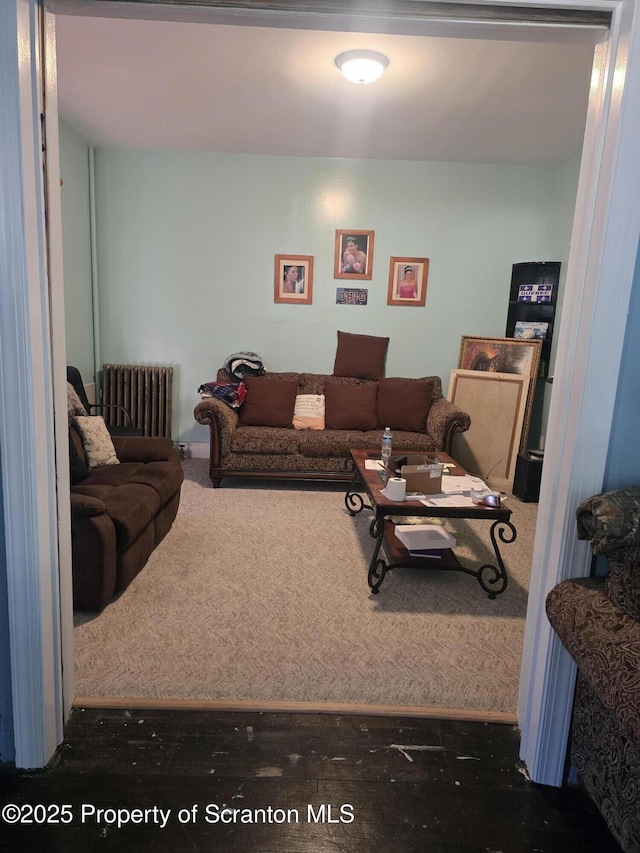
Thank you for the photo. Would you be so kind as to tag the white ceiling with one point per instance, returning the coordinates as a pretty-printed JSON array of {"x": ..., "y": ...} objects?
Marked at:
[{"x": 244, "y": 89}]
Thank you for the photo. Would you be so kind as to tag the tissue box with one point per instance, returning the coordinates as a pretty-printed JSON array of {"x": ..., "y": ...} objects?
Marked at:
[
  {"x": 423, "y": 472},
  {"x": 424, "y": 537}
]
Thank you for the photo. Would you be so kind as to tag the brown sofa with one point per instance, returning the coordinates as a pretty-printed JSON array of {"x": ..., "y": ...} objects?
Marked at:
[
  {"x": 241, "y": 449},
  {"x": 119, "y": 513},
  {"x": 598, "y": 620}
]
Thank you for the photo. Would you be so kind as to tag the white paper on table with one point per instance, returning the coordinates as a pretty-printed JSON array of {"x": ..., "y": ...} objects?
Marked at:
[
  {"x": 373, "y": 465},
  {"x": 447, "y": 500},
  {"x": 462, "y": 485}
]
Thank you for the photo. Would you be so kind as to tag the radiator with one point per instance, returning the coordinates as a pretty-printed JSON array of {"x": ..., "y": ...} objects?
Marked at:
[{"x": 144, "y": 391}]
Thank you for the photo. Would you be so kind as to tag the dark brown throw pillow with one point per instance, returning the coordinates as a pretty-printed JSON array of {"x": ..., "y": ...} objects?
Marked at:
[
  {"x": 362, "y": 356},
  {"x": 269, "y": 402},
  {"x": 350, "y": 406},
  {"x": 404, "y": 404}
]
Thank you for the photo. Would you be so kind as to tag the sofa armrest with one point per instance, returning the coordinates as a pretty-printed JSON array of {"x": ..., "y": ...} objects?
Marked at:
[
  {"x": 444, "y": 421},
  {"x": 85, "y": 506},
  {"x": 94, "y": 555},
  {"x": 141, "y": 448},
  {"x": 605, "y": 644},
  {"x": 222, "y": 421}
]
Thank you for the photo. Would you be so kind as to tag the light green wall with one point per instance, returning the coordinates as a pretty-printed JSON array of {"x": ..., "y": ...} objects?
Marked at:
[
  {"x": 78, "y": 301},
  {"x": 186, "y": 245}
]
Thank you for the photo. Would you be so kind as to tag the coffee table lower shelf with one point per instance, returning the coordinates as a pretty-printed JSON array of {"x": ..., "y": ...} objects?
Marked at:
[{"x": 492, "y": 579}]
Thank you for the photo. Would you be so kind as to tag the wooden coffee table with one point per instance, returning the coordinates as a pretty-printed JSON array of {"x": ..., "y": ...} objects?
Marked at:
[{"x": 492, "y": 578}]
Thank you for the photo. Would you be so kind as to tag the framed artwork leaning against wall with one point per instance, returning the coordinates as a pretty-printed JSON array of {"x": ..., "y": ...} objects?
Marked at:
[
  {"x": 504, "y": 355},
  {"x": 500, "y": 355},
  {"x": 497, "y": 405}
]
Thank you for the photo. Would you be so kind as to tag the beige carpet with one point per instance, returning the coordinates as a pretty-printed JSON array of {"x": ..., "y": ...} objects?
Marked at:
[{"x": 259, "y": 593}]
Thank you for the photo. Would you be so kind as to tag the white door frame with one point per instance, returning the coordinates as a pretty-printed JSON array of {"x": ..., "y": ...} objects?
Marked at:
[
  {"x": 599, "y": 280},
  {"x": 33, "y": 517}
]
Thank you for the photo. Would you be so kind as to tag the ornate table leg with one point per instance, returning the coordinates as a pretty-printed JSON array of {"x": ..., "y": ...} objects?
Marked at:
[
  {"x": 377, "y": 567},
  {"x": 497, "y": 578},
  {"x": 353, "y": 500}
]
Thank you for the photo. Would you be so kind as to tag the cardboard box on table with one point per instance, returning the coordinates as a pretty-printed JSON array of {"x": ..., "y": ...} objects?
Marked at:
[{"x": 423, "y": 472}]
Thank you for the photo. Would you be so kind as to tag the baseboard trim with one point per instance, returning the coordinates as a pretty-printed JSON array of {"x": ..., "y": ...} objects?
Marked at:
[
  {"x": 196, "y": 449},
  {"x": 146, "y": 704}
]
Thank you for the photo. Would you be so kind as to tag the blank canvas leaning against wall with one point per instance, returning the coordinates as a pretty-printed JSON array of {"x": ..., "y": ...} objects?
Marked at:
[{"x": 497, "y": 404}]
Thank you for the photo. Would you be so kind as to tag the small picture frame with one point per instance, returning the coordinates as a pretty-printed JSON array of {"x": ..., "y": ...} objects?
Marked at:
[
  {"x": 408, "y": 281},
  {"x": 293, "y": 279},
  {"x": 353, "y": 257}
]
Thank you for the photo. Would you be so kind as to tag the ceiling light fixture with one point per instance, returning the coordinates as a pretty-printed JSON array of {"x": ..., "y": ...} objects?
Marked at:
[{"x": 362, "y": 66}]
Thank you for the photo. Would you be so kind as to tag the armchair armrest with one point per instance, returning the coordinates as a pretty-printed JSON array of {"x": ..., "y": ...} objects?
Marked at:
[
  {"x": 144, "y": 448},
  {"x": 605, "y": 644},
  {"x": 444, "y": 421},
  {"x": 222, "y": 421},
  {"x": 86, "y": 506}
]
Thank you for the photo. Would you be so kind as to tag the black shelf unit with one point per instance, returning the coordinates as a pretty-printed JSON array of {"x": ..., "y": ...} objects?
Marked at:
[{"x": 540, "y": 281}]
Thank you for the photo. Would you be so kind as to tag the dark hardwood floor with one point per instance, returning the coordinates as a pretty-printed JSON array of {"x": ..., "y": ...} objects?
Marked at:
[{"x": 190, "y": 781}]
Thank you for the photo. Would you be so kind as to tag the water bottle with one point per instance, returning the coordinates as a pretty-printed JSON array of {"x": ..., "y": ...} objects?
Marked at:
[{"x": 387, "y": 442}]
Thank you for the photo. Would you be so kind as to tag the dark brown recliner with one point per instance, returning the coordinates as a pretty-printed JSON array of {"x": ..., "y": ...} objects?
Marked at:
[{"x": 119, "y": 514}]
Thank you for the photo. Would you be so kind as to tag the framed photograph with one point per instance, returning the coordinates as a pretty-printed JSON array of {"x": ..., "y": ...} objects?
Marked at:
[
  {"x": 293, "y": 279},
  {"x": 504, "y": 355},
  {"x": 353, "y": 254},
  {"x": 407, "y": 281}
]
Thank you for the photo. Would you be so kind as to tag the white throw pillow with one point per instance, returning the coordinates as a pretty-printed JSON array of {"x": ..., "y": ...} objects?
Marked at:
[
  {"x": 97, "y": 442},
  {"x": 308, "y": 412}
]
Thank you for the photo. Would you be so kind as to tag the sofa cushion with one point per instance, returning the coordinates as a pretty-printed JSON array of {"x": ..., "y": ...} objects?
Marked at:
[
  {"x": 350, "y": 407},
  {"x": 97, "y": 442},
  {"x": 108, "y": 475},
  {"x": 362, "y": 356},
  {"x": 309, "y": 411},
  {"x": 131, "y": 507},
  {"x": 336, "y": 443},
  {"x": 404, "y": 404},
  {"x": 265, "y": 440},
  {"x": 165, "y": 477},
  {"x": 269, "y": 402},
  {"x": 145, "y": 448}
]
